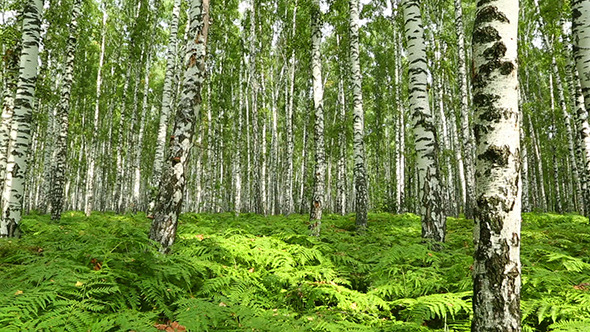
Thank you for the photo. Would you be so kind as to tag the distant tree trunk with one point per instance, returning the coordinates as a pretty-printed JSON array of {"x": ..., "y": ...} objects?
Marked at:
[
  {"x": 341, "y": 182},
  {"x": 430, "y": 196},
  {"x": 466, "y": 137},
  {"x": 496, "y": 266},
  {"x": 237, "y": 164},
  {"x": 166, "y": 100},
  {"x": 289, "y": 201},
  {"x": 400, "y": 125},
  {"x": 138, "y": 148},
  {"x": 58, "y": 177},
  {"x": 317, "y": 203},
  {"x": 18, "y": 150},
  {"x": 92, "y": 150},
  {"x": 360, "y": 174},
  {"x": 170, "y": 196}
]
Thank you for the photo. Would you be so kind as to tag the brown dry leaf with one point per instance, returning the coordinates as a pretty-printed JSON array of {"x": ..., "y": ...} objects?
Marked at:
[
  {"x": 221, "y": 304},
  {"x": 251, "y": 270},
  {"x": 18, "y": 292},
  {"x": 161, "y": 326},
  {"x": 200, "y": 237}
]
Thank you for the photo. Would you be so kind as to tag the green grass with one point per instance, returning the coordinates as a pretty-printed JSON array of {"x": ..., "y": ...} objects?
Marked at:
[{"x": 266, "y": 274}]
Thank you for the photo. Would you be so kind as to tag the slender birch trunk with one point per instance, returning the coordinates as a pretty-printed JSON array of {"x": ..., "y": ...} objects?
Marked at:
[
  {"x": 20, "y": 140},
  {"x": 170, "y": 196},
  {"x": 430, "y": 196},
  {"x": 289, "y": 201},
  {"x": 138, "y": 148},
  {"x": 58, "y": 177},
  {"x": 496, "y": 267},
  {"x": 341, "y": 182},
  {"x": 360, "y": 174},
  {"x": 466, "y": 136},
  {"x": 317, "y": 203},
  {"x": 92, "y": 153}
]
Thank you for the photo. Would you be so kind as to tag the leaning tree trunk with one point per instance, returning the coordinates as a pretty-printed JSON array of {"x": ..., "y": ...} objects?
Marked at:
[
  {"x": 430, "y": 198},
  {"x": 317, "y": 203},
  {"x": 166, "y": 101},
  {"x": 18, "y": 151},
  {"x": 170, "y": 195},
  {"x": 466, "y": 136},
  {"x": 360, "y": 174},
  {"x": 58, "y": 177},
  {"x": 496, "y": 266}
]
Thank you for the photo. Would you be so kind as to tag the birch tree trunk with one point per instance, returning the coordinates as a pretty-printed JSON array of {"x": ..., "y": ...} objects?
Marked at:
[
  {"x": 92, "y": 151},
  {"x": 166, "y": 100},
  {"x": 360, "y": 174},
  {"x": 11, "y": 76},
  {"x": 466, "y": 136},
  {"x": 289, "y": 201},
  {"x": 581, "y": 48},
  {"x": 170, "y": 196},
  {"x": 58, "y": 177},
  {"x": 496, "y": 267},
  {"x": 341, "y": 182},
  {"x": 317, "y": 203},
  {"x": 429, "y": 197},
  {"x": 20, "y": 140}
]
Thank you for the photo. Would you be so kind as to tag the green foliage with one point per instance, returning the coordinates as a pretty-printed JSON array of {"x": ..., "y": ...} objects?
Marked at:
[{"x": 265, "y": 274}]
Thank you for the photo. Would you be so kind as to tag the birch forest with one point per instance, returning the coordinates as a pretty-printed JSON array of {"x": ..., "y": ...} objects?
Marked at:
[{"x": 295, "y": 165}]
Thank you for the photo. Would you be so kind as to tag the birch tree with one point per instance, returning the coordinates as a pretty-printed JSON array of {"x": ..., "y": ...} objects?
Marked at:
[
  {"x": 63, "y": 110},
  {"x": 466, "y": 136},
  {"x": 20, "y": 140},
  {"x": 360, "y": 174},
  {"x": 496, "y": 266},
  {"x": 429, "y": 183},
  {"x": 166, "y": 98},
  {"x": 317, "y": 202},
  {"x": 171, "y": 192}
]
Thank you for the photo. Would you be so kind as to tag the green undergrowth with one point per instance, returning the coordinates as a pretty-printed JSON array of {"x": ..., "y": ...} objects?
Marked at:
[{"x": 266, "y": 274}]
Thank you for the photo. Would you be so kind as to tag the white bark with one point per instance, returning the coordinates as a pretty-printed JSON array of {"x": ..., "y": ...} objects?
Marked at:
[
  {"x": 92, "y": 154},
  {"x": 170, "y": 196},
  {"x": 496, "y": 267},
  {"x": 429, "y": 196},
  {"x": 360, "y": 173},
  {"x": 18, "y": 150},
  {"x": 58, "y": 176},
  {"x": 317, "y": 203}
]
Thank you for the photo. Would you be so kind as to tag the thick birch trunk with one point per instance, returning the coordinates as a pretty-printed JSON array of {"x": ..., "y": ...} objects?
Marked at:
[
  {"x": 18, "y": 150},
  {"x": 166, "y": 100},
  {"x": 58, "y": 176},
  {"x": 317, "y": 202},
  {"x": 429, "y": 196},
  {"x": 170, "y": 196},
  {"x": 581, "y": 43},
  {"x": 496, "y": 267},
  {"x": 360, "y": 174}
]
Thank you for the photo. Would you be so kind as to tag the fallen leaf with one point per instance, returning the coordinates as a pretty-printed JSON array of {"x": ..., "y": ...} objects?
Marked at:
[
  {"x": 79, "y": 284},
  {"x": 18, "y": 292}
]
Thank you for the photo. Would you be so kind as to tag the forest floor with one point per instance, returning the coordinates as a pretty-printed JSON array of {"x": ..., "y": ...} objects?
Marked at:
[{"x": 265, "y": 274}]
